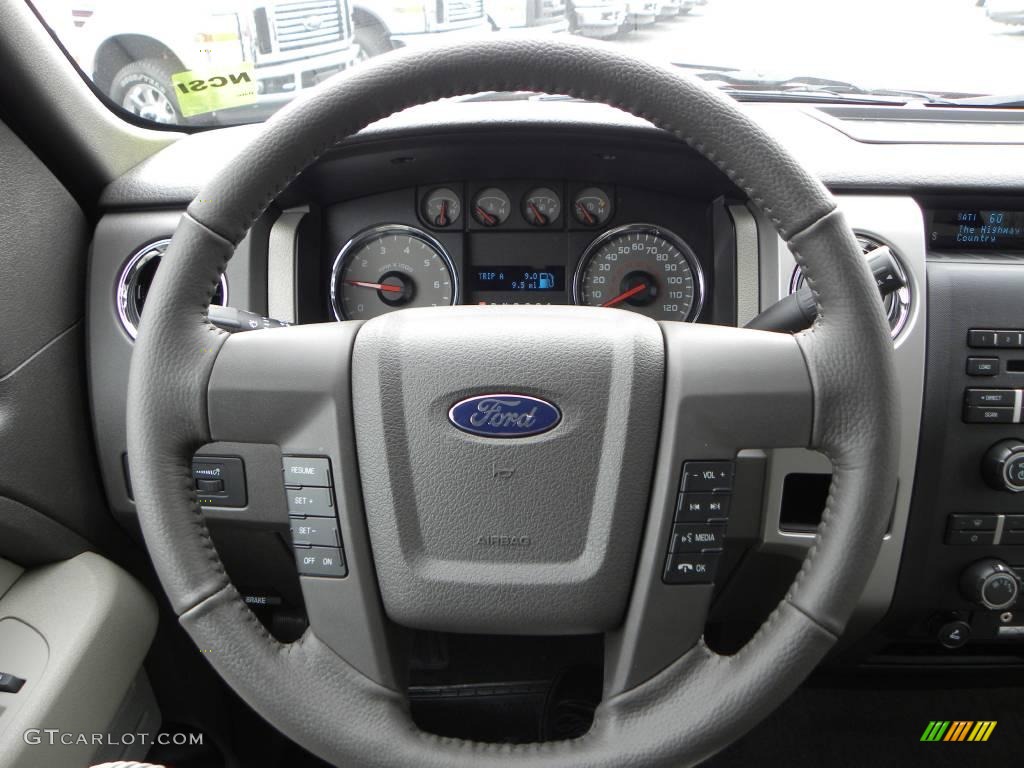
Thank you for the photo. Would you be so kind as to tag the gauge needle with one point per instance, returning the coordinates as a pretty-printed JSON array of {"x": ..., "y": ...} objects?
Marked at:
[
  {"x": 588, "y": 217},
  {"x": 376, "y": 286},
  {"x": 625, "y": 295},
  {"x": 538, "y": 217},
  {"x": 488, "y": 218},
  {"x": 442, "y": 219}
]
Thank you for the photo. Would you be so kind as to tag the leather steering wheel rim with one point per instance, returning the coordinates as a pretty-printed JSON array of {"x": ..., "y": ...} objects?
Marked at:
[{"x": 703, "y": 701}]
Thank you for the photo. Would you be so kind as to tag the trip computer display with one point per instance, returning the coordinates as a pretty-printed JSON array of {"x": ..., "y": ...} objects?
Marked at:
[
  {"x": 974, "y": 228},
  {"x": 519, "y": 278}
]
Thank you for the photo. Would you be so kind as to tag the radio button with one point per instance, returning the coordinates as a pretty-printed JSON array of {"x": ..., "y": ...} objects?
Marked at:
[
  {"x": 974, "y": 414},
  {"x": 981, "y": 339},
  {"x": 982, "y": 366},
  {"x": 992, "y": 397},
  {"x": 972, "y": 522}
]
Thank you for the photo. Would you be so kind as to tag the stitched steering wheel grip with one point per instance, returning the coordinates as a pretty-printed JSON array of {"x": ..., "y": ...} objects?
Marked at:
[{"x": 703, "y": 701}]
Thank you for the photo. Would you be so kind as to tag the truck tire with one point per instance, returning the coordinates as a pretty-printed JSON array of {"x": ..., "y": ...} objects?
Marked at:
[
  {"x": 144, "y": 88},
  {"x": 372, "y": 39}
]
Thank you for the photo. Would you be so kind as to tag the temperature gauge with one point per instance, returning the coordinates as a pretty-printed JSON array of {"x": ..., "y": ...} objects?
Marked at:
[
  {"x": 541, "y": 207},
  {"x": 441, "y": 208},
  {"x": 491, "y": 207},
  {"x": 592, "y": 207}
]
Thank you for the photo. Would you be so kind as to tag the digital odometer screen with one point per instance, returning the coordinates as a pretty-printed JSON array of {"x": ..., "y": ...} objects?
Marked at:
[
  {"x": 519, "y": 278},
  {"x": 972, "y": 228}
]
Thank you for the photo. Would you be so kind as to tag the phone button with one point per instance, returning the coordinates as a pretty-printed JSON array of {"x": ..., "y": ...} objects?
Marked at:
[{"x": 691, "y": 568}]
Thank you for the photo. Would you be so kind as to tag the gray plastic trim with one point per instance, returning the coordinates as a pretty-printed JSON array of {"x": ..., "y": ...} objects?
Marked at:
[
  {"x": 86, "y": 626},
  {"x": 748, "y": 289},
  {"x": 282, "y": 259},
  {"x": 899, "y": 221}
]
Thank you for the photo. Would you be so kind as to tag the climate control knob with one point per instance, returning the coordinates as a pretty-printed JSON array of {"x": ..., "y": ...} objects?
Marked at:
[
  {"x": 990, "y": 583},
  {"x": 1003, "y": 466}
]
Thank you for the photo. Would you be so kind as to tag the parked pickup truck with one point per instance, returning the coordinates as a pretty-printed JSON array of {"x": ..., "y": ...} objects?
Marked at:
[
  {"x": 381, "y": 25},
  {"x": 596, "y": 18},
  {"x": 131, "y": 49},
  {"x": 641, "y": 13},
  {"x": 533, "y": 15}
]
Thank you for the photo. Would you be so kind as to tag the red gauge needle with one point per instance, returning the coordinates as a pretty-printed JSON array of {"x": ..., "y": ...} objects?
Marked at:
[
  {"x": 442, "y": 219},
  {"x": 587, "y": 216},
  {"x": 487, "y": 218},
  {"x": 538, "y": 218},
  {"x": 376, "y": 286},
  {"x": 625, "y": 295}
]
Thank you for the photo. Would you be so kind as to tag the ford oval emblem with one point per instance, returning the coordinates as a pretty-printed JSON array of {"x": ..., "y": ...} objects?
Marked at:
[{"x": 504, "y": 415}]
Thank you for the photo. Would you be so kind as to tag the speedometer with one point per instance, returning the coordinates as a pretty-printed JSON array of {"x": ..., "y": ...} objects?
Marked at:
[
  {"x": 391, "y": 267},
  {"x": 642, "y": 268}
]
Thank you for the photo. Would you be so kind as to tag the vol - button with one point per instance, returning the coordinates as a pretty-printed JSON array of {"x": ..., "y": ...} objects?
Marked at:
[{"x": 707, "y": 476}]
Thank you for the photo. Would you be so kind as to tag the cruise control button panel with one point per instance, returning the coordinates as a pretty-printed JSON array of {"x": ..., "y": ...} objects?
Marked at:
[{"x": 316, "y": 536}]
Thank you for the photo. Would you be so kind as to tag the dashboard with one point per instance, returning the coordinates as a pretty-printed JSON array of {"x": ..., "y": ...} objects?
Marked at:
[
  {"x": 570, "y": 203},
  {"x": 518, "y": 241}
]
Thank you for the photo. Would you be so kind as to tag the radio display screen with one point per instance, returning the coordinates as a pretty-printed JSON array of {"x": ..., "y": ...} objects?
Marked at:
[
  {"x": 518, "y": 278},
  {"x": 976, "y": 229}
]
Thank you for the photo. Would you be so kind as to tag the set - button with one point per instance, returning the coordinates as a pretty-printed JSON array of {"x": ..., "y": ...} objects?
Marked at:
[
  {"x": 698, "y": 528},
  {"x": 313, "y": 519}
]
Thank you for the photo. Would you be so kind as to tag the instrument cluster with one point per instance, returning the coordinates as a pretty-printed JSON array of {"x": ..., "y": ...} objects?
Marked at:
[{"x": 521, "y": 242}]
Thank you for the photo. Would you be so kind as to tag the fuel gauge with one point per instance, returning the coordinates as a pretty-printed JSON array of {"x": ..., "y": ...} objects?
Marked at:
[
  {"x": 541, "y": 207},
  {"x": 441, "y": 208},
  {"x": 592, "y": 207},
  {"x": 491, "y": 207}
]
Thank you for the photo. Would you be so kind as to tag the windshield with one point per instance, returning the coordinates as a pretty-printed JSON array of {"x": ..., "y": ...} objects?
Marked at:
[{"x": 216, "y": 62}]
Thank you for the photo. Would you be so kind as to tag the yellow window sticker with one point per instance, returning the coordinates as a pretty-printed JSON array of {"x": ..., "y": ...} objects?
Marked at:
[{"x": 207, "y": 90}]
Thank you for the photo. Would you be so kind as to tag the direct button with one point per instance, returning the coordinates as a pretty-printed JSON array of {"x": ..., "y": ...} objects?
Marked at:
[
  {"x": 303, "y": 470},
  {"x": 314, "y": 530},
  {"x": 696, "y": 537},
  {"x": 992, "y": 397},
  {"x": 691, "y": 568},
  {"x": 312, "y": 502},
  {"x": 321, "y": 561}
]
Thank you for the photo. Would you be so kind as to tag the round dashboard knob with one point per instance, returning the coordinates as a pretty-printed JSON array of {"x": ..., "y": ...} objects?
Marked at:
[
  {"x": 991, "y": 584},
  {"x": 1003, "y": 466}
]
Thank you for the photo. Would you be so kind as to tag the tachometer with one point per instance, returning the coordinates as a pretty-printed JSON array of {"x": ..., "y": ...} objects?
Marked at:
[
  {"x": 643, "y": 268},
  {"x": 391, "y": 267}
]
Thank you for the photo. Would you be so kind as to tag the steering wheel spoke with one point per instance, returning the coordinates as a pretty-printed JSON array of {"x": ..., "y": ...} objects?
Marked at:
[
  {"x": 291, "y": 387},
  {"x": 726, "y": 390}
]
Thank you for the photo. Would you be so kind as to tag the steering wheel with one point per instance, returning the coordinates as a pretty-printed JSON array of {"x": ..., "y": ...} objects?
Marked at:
[{"x": 419, "y": 500}]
